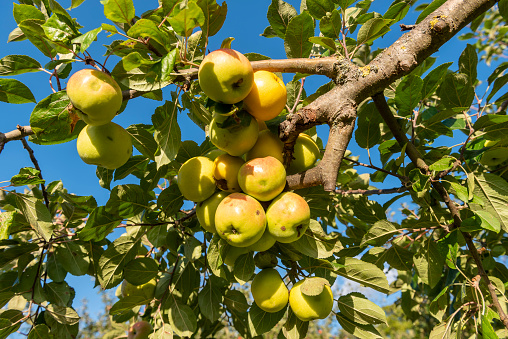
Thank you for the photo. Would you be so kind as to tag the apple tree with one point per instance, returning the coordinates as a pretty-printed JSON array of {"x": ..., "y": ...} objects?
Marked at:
[{"x": 436, "y": 130}]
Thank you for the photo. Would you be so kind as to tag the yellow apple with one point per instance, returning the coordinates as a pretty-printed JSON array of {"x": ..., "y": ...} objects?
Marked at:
[
  {"x": 226, "y": 76},
  {"x": 267, "y": 97},
  {"x": 107, "y": 145},
  {"x": 269, "y": 291},
  {"x": 95, "y": 94},
  {"x": 146, "y": 290},
  {"x": 264, "y": 244},
  {"x": 262, "y": 125},
  {"x": 268, "y": 144},
  {"x": 240, "y": 220},
  {"x": 233, "y": 253},
  {"x": 225, "y": 172},
  {"x": 140, "y": 330},
  {"x": 262, "y": 178},
  {"x": 305, "y": 155},
  {"x": 205, "y": 211},
  {"x": 195, "y": 179},
  {"x": 234, "y": 134},
  {"x": 288, "y": 217},
  {"x": 308, "y": 308}
]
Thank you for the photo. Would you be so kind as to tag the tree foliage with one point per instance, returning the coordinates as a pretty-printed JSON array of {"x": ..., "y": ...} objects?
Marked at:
[{"x": 428, "y": 127}]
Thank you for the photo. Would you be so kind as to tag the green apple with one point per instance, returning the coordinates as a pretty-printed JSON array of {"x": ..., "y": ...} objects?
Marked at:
[
  {"x": 140, "y": 330},
  {"x": 264, "y": 244},
  {"x": 205, "y": 211},
  {"x": 494, "y": 156},
  {"x": 233, "y": 253},
  {"x": 107, "y": 145},
  {"x": 265, "y": 260},
  {"x": 268, "y": 144},
  {"x": 195, "y": 179},
  {"x": 308, "y": 308},
  {"x": 226, "y": 76},
  {"x": 288, "y": 217},
  {"x": 95, "y": 94},
  {"x": 306, "y": 153},
  {"x": 234, "y": 134},
  {"x": 225, "y": 172},
  {"x": 213, "y": 154},
  {"x": 269, "y": 291},
  {"x": 146, "y": 290},
  {"x": 240, "y": 220},
  {"x": 262, "y": 178}
]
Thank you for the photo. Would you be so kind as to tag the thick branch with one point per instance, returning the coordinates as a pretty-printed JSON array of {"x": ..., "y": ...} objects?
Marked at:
[{"x": 17, "y": 134}]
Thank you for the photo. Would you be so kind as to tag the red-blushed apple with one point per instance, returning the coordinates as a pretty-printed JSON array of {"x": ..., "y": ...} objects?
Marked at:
[
  {"x": 226, "y": 76},
  {"x": 306, "y": 153},
  {"x": 225, "y": 172},
  {"x": 269, "y": 291},
  {"x": 288, "y": 217},
  {"x": 140, "y": 330},
  {"x": 95, "y": 94},
  {"x": 234, "y": 134},
  {"x": 195, "y": 179},
  {"x": 267, "y": 97},
  {"x": 268, "y": 144},
  {"x": 262, "y": 178},
  {"x": 205, "y": 211},
  {"x": 240, "y": 220}
]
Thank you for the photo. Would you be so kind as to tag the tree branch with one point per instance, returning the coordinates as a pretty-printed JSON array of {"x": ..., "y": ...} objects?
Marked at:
[{"x": 17, "y": 134}]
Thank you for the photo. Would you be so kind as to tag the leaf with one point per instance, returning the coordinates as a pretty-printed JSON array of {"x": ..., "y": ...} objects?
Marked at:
[
  {"x": 368, "y": 133},
  {"x": 356, "y": 307},
  {"x": 141, "y": 270},
  {"x": 294, "y": 328},
  {"x": 261, "y": 322},
  {"x": 170, "y": 200},
  {"x": 24, "y": 12},
  {"x": 468, "y": 62},
  {"x": 487, "y": 329},
  {"x": 14, "y": 91},
  {"x": 429, "y": 262},
  {"x": 319, "y": 8},
  {"x": 14, "y": 252},
  {"x": 112, "y": 261},
  {"x": 364, "y": 273},
  {"x": 209, "y": 299},
  {"x": 488, "y": 221},
  {"x": 37, "y": 214},
  {"x": 85, "y": 40},
  {"x": 6, "y": 223},
  {"x": 127, "y": 200},
  {"x": 214, "y": 16},
  {"x": 316, "y": 246},
  {"x": 182, "y": 319},
  {"x": 498, "y": 84},
  {"x": 331, "y": 25},
  {"x": 145, "y": 28},
  {"x": 64, "y": 315},
  {"x": 58, "y": 293},
  {"x": 358, "y": 330},
  {"x": 73, "y": 257},
  {"x": 40, "y": 331},
  {"x": 99, "y": 224},
  {"x": 325, "y": 42},
  {"x": 167, "y": 133},
  {"x": 33, "y": 31},
  {"x": 456, "y": 92},
  {"x": 442, "y": 164},
  {"x": 119, "y": 10},
  {"x": 373, "y": 29},
  {"x": 298, "y": 32},
  {"x": 185, "y": 19},
  {"x": 60, "y": 28},
  {"x": 214, "y": 256},
  {"x": 434, "y": 79},
  {"x": 18, "y": 64},
  {"x": 236, "y": 301},
  {"x": 399, "y": 258},
  {"x": 27, "y": 176},
  {"x": 143, "y": 140},
  {"x": 441, "y": 331},
  {"x": 493, "y": 191},
  {"x": 135, "y": 163},
  {"x": 126, "y": 304},
  {"x": 429, "y": 9},
  {"x": 313, "y": 286},
  {"x": 379, "y": 233},
  {"x": 408, "y": 94},
  {"x": 279, "y": 15},
  {"x": 244, "y": 268}
]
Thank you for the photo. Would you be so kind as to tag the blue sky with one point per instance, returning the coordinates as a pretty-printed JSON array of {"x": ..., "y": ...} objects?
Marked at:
[{"x": 245, "y": 21}]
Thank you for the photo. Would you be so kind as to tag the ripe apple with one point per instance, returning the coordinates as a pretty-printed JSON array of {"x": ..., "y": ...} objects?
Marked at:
[
  {"x": 267, "y": 97},
  {"x": 205, "y": 211},
  {"x": 234, "y": 134},
  {"x": 264, "y": 244},
  {"x": 226, "y": 76},
  {"x": 308, "y": 308},
  {"x": 269, "y": 291},
  {"x": 225, "y": 172},
  {"x": 95, "y": 94},
  {"x": 267, "y": 144},
  {"x": 146, "y": 290},
  {"x": 262, "y": 178},
  {"x": 233, "y": 253},
  {"x": 195, "y": 179},
  {"x": 494, "y": 156},
  {"x": 240, "y": 220},
  {"x": 262, "y": 125},
  {"x": 107, "y": 145},
  {"x": 288, "y": 217},
  {"x": 306, "y": 153},
  {"x": 140, "y": 330}
]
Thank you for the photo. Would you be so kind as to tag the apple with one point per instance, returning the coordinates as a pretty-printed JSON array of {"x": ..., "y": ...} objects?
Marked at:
[
  {"x": 235, "y": 134},
  {"x": 262, "y": 125},
  {"x": 288, "y": 217},
  {"x": 195, "y": 179},
  {"x": 226, "y": 76},
  {"x": 267, "y": 97},
  {"x": 262, "y": 178},
  {"x": 213, "y": 154},
  {"x": 494, "y": 156},
  {"x": 267, "y": 144},
  {"x": 308, "y": 308},
  {"x": 265, "y": 260},
  {"x": 146, "y": 290},
  {"x": 240, "y": 220},
  {"x": 205, "y": 211},
  {"x": 140, "y": 330},
  {"x": 95, "y": 94},
  {"x": 264, "y": 244},
  {"x": 107, "y": 145},
  {"x": 269, "y": 291},
  {"x": 306, "y": 153},
  {"x": 233, "y": 253},
  {"x": 225, "y": 172}
]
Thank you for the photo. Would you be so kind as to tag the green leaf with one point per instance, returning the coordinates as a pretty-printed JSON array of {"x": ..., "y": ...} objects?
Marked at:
[
  {"x": 182, "y": 319},
  {"x": 236, "y": 301},
  {"x": 493, "y": 191},
  {"x": 315, "y": 243},
  {"x": 379, "y": 233},
  {"x": 52, "y": 122},
  {"x": 24, "y": 12},
  {"x": 331, "y": 25},
  {"x": 298, "y": 32},
  {"x": 18, "y": 64},
  {"x": 167, "y": 133},
  {"x": 112, "y": 261},
  {"x": 487, "y": 329},
  {"x": 40, "y": 331},
  {"x": 214, "y": 256},
  {"x": 27, "y": 176},
  {"x": 368, "y": 133},
  {"x": 192, "y": 249},
  {"x": 58, "y": 293},
  {"x": 294, "y": 328},
  {"x": 37, "y": 214},
  {"x": 145, "y": 28},
  {"x": 141, "y": 270},
  {"x": 344, "y": 4},
  {"x": 498, "y": 84},
  {"x": 209, "y": 299},
  {"x": 364, "y": 273},
  {"x": 261, "y": 322},
  {"x": 468, "y": 62},
  {"x": 143, "y": 140},
  {"x": 126, "y": 304},
  {"x": 313, "y": 286},
  {"x": 59, "y": 330},
  {"x": 319, "y": 8},
  {"x": 408, "y": 94},
  {"x": 429, "y": 9},
  {"x": 60, "y": 28},
  {"x": 399, "y": 258},
  {"x": 434, "y": 79},
  {"x": 185, "y": 19},
  {"x": 441, "y": 331},
  {"x": 488, "y": 221},
  {"x": 244, "y": 268},
  {"x": 99, "y": 224},
  {"x": 442, "y": 164},
  {"x": 279, "y": 15},
  {"x": 358, "y": 330},
  {"x": 64, "y": 315},
  {"x": 73, "y": 257},
  {"x": 170, "y": 200},
  {"x": 85, "y": 40},
  {"x": 456, "y": 92},
  {"x": 127, "y": 200},
  {"x": 359, "y": 309},
  {"x": 119, "y": 10},
  {"x": 14, "y": 91},
  {"x": 324, "y": 42},
  {"x": 32, "y": 29},
  {"x": 397, "y": 11},
  {"x": 214, "y": 16},
  {"x": 6, "y": 223},
  {"x": 15, "y": 251},
  {"x": 429, "y": 263},
  {"x": 135, "y": 163},
  {"x": 373, "y": 29}
]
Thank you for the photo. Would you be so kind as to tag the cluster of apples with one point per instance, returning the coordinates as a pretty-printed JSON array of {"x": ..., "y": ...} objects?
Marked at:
[
  {"x": 97, "y": 98},
  {"x": 239, "y": 187}
]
